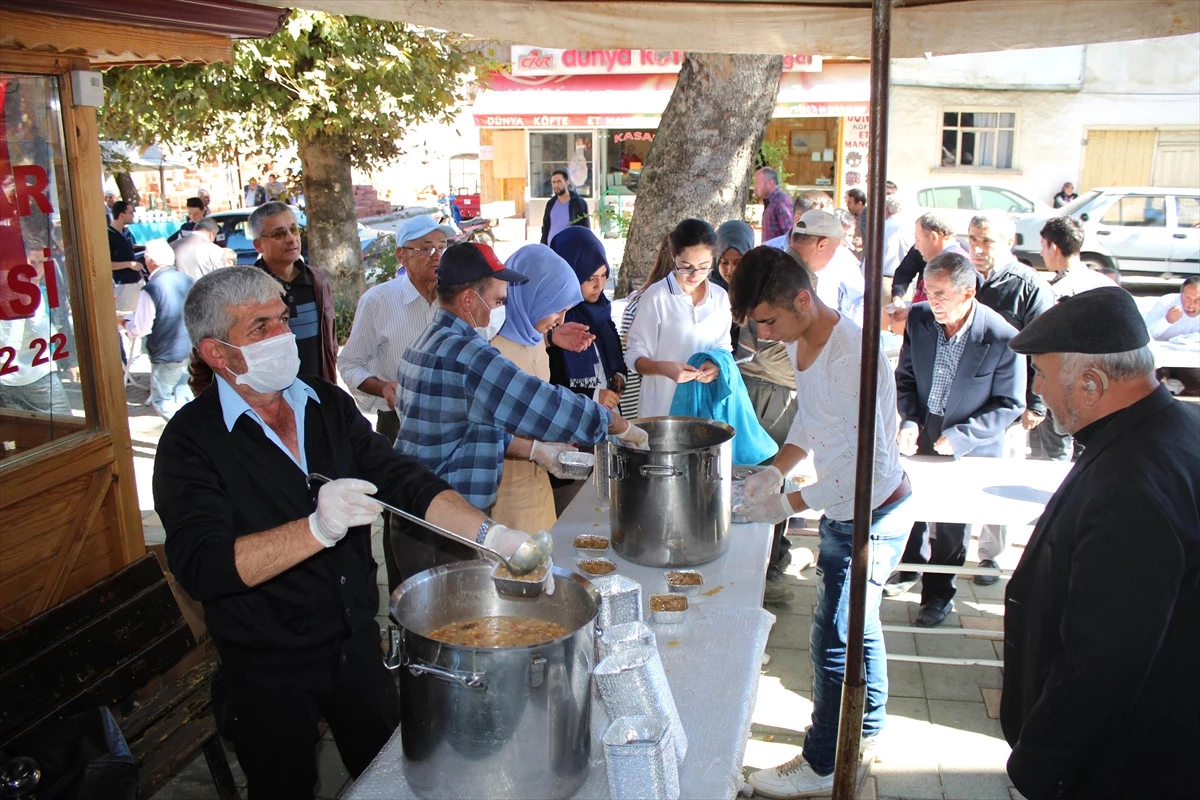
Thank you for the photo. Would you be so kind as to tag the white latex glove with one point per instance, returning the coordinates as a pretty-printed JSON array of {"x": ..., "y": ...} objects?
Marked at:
[
  {"x": 506, "y": 541},
  {"x": 635, "y": 437},
  {"x": 760, "y": 484},
  {"x": 341, "y": 505},
  {"x": 545, "y": 455},
  {"x": 772, "y": 509}
]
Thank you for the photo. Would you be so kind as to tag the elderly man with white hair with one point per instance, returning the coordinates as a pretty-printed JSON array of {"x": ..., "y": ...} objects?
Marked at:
[{"x": 159, "y": 318}]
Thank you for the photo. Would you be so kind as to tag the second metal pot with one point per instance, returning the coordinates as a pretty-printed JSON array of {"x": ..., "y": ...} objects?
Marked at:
[{"x": 670, "y": 504}]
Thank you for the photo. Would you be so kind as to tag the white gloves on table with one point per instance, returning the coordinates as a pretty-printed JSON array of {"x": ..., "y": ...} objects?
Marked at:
[
  {"x": 635, "y": 437},
  {"x": 341, "y": 505},
  {"x": 760, "y": 484},
  {"x": 545, "y": 455},
  {"x": 772, "y": 509}
]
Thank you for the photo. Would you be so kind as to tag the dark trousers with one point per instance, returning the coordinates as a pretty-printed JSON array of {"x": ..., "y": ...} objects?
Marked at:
[
  {"x": 273, "y": 723},
  {"x": 1047, "y": 444},
  {"x": 415, "y": 549},
  {"x": 942, "y": 543}
]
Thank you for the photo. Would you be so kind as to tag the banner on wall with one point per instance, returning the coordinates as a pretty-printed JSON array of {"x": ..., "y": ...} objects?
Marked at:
[
  {"x": 549, "y": 61},
  {"x": 855, "y": 140}
]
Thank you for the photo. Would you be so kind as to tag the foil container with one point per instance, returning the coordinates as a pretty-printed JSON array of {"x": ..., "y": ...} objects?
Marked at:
[
  {"x": 624, "y": 636},
  {"x": 639, "y": 755},
  {"x": 689, "y": 589},
  {"x": 575, "y": 465},
  {"x": 736, "y": 490},
  {"x": 593, "y": 552},
  {"x": 632, "y": 682},
  {"x": 666, "y": 617},
  {"x": 620, "y": 600}
]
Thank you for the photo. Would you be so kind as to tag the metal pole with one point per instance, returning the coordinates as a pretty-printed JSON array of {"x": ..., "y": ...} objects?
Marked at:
[{"x": 854, "y": 689}]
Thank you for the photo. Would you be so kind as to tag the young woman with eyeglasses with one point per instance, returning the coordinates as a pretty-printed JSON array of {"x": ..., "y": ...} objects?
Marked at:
[{"x": 679, "y": 316}]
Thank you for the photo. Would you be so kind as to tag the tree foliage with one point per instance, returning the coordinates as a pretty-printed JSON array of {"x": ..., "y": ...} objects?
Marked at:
[{"x": 355, "y": 83}]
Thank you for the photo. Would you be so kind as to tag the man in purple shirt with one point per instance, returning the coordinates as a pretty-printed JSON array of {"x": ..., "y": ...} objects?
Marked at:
[{"x": 777, "y": 216}]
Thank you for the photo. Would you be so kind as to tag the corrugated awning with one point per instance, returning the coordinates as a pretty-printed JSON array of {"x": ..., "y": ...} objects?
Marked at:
[{"x": 637, "y": 101}]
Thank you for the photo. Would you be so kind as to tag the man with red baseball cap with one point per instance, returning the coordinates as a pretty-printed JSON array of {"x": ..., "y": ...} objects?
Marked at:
[{"x": 464, "y": 408}]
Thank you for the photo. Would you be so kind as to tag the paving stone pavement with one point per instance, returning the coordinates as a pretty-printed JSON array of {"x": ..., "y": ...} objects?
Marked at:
[{"x": 942, "y": 740}]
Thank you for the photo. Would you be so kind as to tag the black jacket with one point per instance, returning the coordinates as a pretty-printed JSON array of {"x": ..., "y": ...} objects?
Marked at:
[
  {"x": 1017, "y": 293},
  {"x": 577, "y": 213},
  {"x": 212, "y": 485},
  {"x": 1102, "y": 617}
]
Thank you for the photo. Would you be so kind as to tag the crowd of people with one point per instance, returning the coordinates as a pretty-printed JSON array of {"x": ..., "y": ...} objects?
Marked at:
[{"x": 481, "y": 374}]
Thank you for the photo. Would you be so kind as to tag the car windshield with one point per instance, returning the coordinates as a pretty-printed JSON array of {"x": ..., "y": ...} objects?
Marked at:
[{"x": 1073, "y": 207}]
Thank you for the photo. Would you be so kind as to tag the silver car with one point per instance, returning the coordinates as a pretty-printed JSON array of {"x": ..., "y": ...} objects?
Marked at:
[{"x": 1149, "y": 229}]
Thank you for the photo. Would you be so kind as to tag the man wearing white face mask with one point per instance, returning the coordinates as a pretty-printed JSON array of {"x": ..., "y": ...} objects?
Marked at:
[
  {"x": 284, "y": 569},
  {"x": 463, "y": 406}
]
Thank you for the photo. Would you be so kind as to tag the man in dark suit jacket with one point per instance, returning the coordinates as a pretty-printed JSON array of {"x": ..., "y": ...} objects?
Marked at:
[
  {"x": 958, "y": 387},
  {"x": 1101, "y": 652}
]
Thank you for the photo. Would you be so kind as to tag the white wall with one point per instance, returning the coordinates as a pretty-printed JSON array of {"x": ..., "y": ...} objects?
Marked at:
[
  {"x": 1136, "y": 85},
  {"x": 426, "y": 161}
]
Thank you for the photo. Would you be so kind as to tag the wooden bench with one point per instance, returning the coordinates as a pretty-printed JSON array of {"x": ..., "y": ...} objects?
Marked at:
[{"x": 109, "y": 646}]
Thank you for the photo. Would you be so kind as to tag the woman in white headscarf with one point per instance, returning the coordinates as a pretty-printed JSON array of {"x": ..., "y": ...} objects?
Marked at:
[{"x": 525, "y": 500}]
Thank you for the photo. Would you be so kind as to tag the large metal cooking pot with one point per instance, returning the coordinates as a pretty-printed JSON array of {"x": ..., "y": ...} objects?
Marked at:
[
  {"x": 670, "y": 503},
  {"x": 504, "y": 723}
]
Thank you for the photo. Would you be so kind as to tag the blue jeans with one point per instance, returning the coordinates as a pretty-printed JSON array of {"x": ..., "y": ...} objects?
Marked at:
[
  {"x": 169, "y": 387},
  {"x": 890, "y": 525}
]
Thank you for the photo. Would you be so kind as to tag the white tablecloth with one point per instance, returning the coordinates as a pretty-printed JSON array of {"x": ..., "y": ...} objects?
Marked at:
[
  {"x": 1176, "y": 354},
  {"x": 1000, "y": 491},
  {"x": 712, "y": 661}
]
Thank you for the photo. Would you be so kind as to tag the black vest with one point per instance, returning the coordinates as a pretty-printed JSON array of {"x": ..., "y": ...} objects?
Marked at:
[{"x": 168, "y": 340}]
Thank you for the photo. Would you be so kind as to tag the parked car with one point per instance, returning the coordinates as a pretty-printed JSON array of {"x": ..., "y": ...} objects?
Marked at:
[
  {"x": 1152, "y": 229},
  {"x": 959, "y": 202},
  {"x": 233, "y": 235}
]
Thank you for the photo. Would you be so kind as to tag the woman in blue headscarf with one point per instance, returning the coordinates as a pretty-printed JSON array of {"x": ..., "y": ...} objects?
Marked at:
[
  {"x": 525, "y": 500},
  {"x": 599, "y": 370}
]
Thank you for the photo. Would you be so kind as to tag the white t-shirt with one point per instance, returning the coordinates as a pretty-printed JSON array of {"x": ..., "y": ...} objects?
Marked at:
[
  {"x": 826, "y": 423},
  {"x": 668, "y": 327}
]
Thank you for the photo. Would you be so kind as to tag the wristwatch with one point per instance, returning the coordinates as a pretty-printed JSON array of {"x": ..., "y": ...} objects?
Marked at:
[{"x": 487, "y": 524}]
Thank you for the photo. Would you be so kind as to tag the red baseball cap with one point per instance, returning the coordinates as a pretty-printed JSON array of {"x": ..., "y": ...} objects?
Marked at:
[{"x": 467, "y": 261}]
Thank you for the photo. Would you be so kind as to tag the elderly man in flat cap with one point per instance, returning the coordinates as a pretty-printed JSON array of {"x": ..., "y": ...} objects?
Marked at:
[{"x": 1102, "y": 616}]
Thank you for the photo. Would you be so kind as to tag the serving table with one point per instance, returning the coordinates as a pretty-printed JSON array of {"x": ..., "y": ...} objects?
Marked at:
[{"x": 712, "y": 660}]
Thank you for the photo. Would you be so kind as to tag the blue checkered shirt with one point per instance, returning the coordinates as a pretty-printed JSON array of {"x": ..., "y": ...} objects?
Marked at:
[
  {"x": 945, "y": 363},
  {"x": 460, "y": 402}
]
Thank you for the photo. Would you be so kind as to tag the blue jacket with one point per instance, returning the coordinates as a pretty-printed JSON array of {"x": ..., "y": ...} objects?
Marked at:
[
  {"x": 988, "y": 392},
  {"x": 726, "y": 400}
]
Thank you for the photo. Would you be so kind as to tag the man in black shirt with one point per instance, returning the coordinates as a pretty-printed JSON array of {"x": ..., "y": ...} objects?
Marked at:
[
  {"x": 284, "y": 570},
  {"x": 125, "y": 267},
  {"x": 1020, "y": 295}
]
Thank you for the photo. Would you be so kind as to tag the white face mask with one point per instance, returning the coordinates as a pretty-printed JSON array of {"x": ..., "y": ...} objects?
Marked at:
[
  {"x": 495, "y": 321},
  {"x": 271, "y": 364}
]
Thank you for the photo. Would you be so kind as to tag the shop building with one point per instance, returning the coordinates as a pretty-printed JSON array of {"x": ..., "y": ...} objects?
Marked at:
[{"x": 595, "y": 113}]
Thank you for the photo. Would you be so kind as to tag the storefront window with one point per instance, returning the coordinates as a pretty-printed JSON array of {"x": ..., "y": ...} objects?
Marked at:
[
  {"x": 41, "y": 395},
  {"x": 551, "y": 151},
  {"x": 626, "y": 152}
]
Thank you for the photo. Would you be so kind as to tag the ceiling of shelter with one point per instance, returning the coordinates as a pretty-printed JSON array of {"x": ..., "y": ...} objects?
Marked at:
[{"x": 820, "y": 27}]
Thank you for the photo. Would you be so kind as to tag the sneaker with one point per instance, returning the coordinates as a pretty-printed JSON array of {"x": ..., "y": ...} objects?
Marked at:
[
  {"x": 986, "y": 580},
  {"x": 794, "y": 778},
  {"x": 899, "y": 583},
  {"x": 776, "y": 593}
]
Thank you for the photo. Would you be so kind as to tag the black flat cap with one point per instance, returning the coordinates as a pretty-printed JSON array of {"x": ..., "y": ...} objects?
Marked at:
[{"x": 1097, "y": 321}]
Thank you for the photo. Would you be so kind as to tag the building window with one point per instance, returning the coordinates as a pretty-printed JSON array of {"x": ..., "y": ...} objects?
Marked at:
[
  {"x": 978, "y": 138},
  {"x": 550, "y": 151},
  {"x": 626, "y": 152}
]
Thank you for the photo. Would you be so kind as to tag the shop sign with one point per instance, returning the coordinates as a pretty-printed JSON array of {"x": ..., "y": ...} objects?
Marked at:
[
  {"x": 565, "y": 121},
  {"x": 548, "y": 61},
  {"x": 855, "y": 141},
  {"x": 633, "y": 136}
]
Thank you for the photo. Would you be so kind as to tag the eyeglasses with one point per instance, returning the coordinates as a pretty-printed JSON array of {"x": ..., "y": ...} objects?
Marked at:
[
  {"x": 693, "y": 269},
  {"x": 292, "y": 229},
  {"x": 426, "y": 251}
]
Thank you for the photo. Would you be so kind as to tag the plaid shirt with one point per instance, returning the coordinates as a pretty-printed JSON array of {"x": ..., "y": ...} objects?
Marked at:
[
  {"x": 777, "y": 216},
  {"x": 945, "y": 363},
  {"x": 460, "y": 402}
]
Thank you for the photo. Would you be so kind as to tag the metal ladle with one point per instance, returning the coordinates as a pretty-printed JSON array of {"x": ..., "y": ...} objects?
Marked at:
[{"x": 529, "y": 556}]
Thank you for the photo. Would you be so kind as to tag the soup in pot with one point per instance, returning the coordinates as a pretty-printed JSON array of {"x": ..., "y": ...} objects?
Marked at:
[{"x": 499, "y": 632}]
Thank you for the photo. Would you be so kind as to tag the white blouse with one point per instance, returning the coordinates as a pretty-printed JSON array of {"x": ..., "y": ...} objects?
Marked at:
[{"x": 668, "y": 327}]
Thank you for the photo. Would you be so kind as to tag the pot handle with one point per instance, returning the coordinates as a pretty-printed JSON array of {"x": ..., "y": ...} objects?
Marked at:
[
  {"x": 468, "y": 680},
  {"x": 660, "y": 470},
  {"x": 714, "y": 466}
]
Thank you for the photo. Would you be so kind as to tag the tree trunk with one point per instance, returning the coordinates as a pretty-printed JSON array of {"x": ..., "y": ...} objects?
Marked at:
[
  {"x": 127, "y": 188},
  {"x": 332, "y": 227},
  {"x": 703, "y": 153}
]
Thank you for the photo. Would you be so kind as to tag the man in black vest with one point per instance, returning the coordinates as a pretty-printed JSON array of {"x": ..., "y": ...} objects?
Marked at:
[{"x": 159, "y": 318}]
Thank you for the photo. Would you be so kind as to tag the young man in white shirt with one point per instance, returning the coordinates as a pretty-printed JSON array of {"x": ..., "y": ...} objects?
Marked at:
[{"x": 825, "y": 348}]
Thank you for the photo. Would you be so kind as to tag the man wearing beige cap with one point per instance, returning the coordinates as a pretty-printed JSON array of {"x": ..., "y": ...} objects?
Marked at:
[
  {"x": 817, "y": 242},
  {"x": 1101, "y": 652}
]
